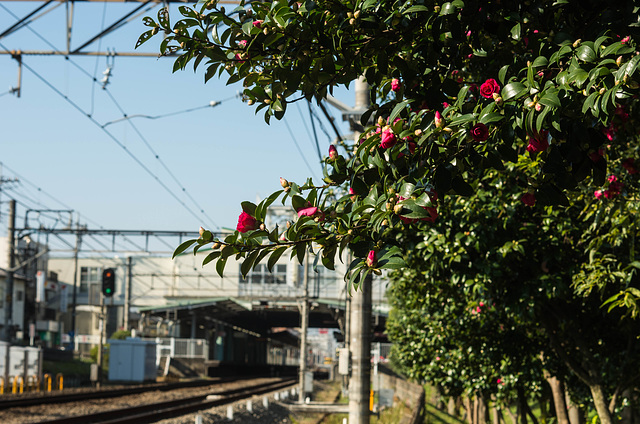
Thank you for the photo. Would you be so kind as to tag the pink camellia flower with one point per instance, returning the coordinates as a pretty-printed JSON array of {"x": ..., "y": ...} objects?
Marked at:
[
  {"x": 538, "y": 142},
  {"x": 258, "y": 24},
  {"x": 612, "y": 178},
  {"x": 625, "y": 40},
  {"x": 438, "y": 120},
  {"x": 247, "y": 223},
  {"x": 239, "y": 58},
  {"x": 388, "y": 139},
  {"x": 311, "y": 211},
  {"x": 351, "y": 190},
  {"x": 333, "y": 152},
  {"x": 528, "y": 199},
  {"x": 396, "y": 85},
  {"x": 480, "y": 132},
  {"x": 489, "y": 87},
  {"x": 372, "y": 260},
  {"x": 308, "y": 211},
  {"x": 499, "y": 381},
  {"x": 630, "y": 165},
  {"x": 242, "y": 43},
  {"x": 599, "y": 194}
]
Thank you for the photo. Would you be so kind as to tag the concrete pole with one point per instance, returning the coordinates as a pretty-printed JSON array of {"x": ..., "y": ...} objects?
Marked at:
[
  {"x": 304, "y": 324},
  {"x": 101, "y": 343},
  {"x": 11, "y": 263},
  {"x": 360, "y": 322},
  {"x": 127, "y": 294},
  {"x": 75, "y": 290}
]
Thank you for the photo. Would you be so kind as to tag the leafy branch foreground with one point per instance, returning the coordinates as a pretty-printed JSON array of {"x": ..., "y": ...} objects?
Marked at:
[{"x": 496, "y": 175}]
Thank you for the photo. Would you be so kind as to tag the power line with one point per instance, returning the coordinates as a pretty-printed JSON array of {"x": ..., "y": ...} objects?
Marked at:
[
  {"x": 293, "y": 137},
  {"x": 89, "y": 115}
]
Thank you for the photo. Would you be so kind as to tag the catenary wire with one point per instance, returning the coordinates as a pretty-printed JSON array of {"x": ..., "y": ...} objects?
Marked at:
[{"x": 89, "y": 115}]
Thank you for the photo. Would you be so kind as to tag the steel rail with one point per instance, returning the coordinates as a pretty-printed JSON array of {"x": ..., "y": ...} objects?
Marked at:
[{"x": 162, "y": 410}]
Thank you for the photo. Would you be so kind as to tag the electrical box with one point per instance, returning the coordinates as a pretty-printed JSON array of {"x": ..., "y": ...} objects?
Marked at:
[
  {"x": 344, "y": 361},
  {"x": 132, "y": 360}
]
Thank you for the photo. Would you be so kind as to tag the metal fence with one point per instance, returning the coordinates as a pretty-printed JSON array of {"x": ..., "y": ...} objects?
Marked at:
[{"x": 181, "y": 348}]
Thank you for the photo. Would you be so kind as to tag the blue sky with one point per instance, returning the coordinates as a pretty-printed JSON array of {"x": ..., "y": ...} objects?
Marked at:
[{"x": 221, "y": 155}]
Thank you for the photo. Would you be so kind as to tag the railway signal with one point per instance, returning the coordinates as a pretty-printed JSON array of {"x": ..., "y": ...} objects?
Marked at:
[{"x": 108, "y": 282}]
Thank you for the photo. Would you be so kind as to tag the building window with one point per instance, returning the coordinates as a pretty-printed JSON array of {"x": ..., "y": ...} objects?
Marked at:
[
  {"x": 261, "y": 275},
  {"x": 88, "y": 276},
  {"x": 19, "y": 296}
]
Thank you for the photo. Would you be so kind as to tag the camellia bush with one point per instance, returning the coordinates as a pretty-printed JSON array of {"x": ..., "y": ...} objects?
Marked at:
[
  {"x": 542, "y": 93},
  {"x": 461, "y": 88}
]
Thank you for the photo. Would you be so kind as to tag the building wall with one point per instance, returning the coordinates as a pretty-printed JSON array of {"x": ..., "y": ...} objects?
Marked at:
[{"x": 17, "y": 315}]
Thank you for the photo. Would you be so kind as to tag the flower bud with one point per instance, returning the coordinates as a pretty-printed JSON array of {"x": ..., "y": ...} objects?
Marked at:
[
  {"x": 262, "y": 227},
  {"x": 385, "y": 222},
  {"x": 538, "y": 107},
  {"x": 619, "y": 61},
  {"x": 438, "y": 120},
  {"x": 577, "y": 43},
  {"x": 216, "y": 245},
  {"x": 333, "y": 152},
  {"x": 288, "y": 224},
  {"x": 356, "y": 14},
  {"x": 201, "y": 231},
  {"x": 284, "y": 183},
  {"x": 372, "y": 260},
  {"x": 531, "y": 104},
  {"x": 602, "y": 90},
  {"x": 397, "y": 209}
]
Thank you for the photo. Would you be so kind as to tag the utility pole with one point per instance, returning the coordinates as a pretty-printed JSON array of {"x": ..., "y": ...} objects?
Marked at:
[
  {"x": 360, "y": 322},
  {"x": 127, "y": 294},
  {"x": 101, "y": 326},
  {"x": 75, "y": 289},
  {"x": 304, "y": 326},
  {"x": 11, "y": 262}
]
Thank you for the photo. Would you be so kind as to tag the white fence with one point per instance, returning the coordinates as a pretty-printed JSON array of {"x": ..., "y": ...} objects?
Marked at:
[{"x": 181, "y": 348}]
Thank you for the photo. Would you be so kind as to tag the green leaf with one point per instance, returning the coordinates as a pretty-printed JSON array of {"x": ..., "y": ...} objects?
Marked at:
[
  {"x": 502, "y": 74},
  {"x": 513, "y": 90},
  {"x": 220, "y": 266},
  {"x": 275, "y": 255},
  {"x": 210, "y": 257},
  {"x": 540, "y": 62},
  {"x": 183, "y": 246},
  {"x": 586, "y": 53},
  {"x": 301, "y": 249},
  {"x": 144, "y": 37},
  {"x": 249, "y": 208},
  {"x": 397, "y": 109},
  {"x": 247, "y": 264},
  {"x": 550, "y": 99},
  {"x": 395, "y": 262},
  {"x": 414, "y": 9}
]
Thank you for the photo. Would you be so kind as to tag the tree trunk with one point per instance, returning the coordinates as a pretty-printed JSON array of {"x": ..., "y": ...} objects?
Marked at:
[
  {"x": 600, "y": 403},
  {"x": 522, "y": 406},
  {"x": 558, "y": 399},
  {"x": 452, "y": 407},
  {"x": 514, "y": 417},
  {"x": 575, "y": 415},
  {"x": 468, "y": 407},
  {"x": 482, "y": 410}
]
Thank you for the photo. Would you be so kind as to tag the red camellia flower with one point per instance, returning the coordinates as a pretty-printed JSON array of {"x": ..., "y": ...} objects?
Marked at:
[
  {"x": 395, "y": 85},
  {"x": 538, "y": 142},
  {"x": 389, "y": 139},
  {"x": 258, "y": 24},
  {"x": 311, "y": 211},
  {"x": 489, "y": 87},
  {"x": 480, "y": 132},
  {"x": 528, "y": 199},
  {"x": 247, "y": 223},
  {"x": 372, "y": 260}
]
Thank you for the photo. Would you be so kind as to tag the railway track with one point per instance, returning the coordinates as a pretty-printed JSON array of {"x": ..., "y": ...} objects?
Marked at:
[
  {"x": 151, "y": 412},
  {"x": 62, "y": 397}
]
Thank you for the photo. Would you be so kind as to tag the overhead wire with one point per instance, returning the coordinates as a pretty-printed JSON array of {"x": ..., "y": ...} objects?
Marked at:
[
  {"x": 89, "y": 116},
  {"x": 315, "y": 134},
  {"x": 95, "y": 68},
  {"x": 59, "y": 202},
  {"x": 295, "y": 141}
]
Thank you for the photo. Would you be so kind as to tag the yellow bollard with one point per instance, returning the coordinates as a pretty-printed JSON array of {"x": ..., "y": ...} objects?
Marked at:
[
  {"x": 371, "y": 401},
  {"x": 15, "y": 386},
  {"x": 1, "y": 385},
  {"x": 59, "y": 381},
  {"x": 47, "y": 382}
]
